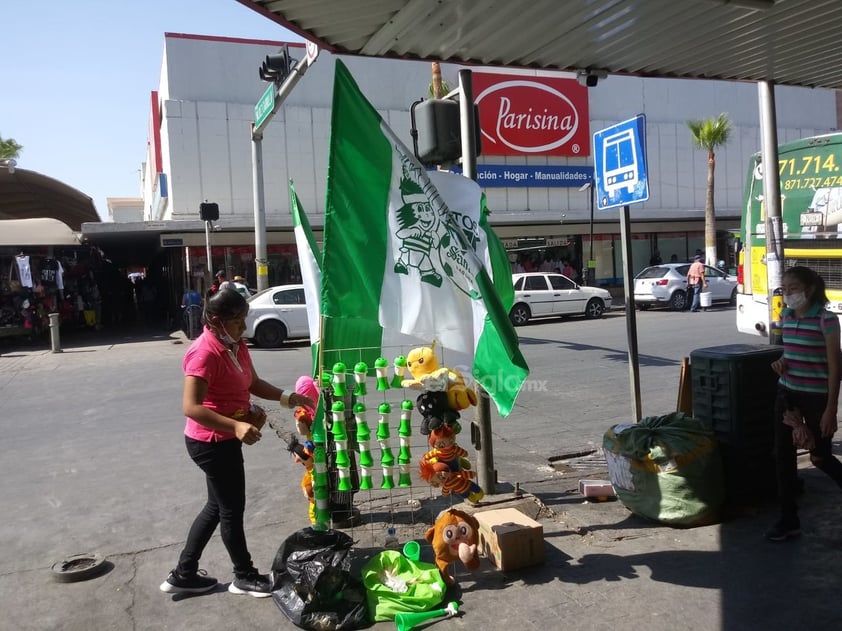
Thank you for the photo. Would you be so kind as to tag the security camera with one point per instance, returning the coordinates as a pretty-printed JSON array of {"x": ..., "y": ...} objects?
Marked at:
[
  {"x": 11, "y": 163},
  {"x": 589, "y": 78}
]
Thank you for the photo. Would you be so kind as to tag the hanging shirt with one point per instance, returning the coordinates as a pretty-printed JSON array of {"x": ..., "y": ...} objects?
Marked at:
[
  {"x": 60, "y": 276},
  {"x": 24, "y": 270},
  {"x": 49, "y": 271}
]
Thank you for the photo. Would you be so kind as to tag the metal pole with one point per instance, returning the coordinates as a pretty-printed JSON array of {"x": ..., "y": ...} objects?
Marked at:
[
  {"x": 260, "y": 256},
  {"x": 55, "y": 324},
  {"x": 631, "y": 319},
  {"x": 486, "y": 475},
  {"x": 208, "y": 249},
  {"x": 591, "y": 262},
  {"x": 772, "y": 204}
]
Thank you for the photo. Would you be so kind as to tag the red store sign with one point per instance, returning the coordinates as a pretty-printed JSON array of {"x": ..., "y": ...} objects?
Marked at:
[{"x": 523, "y": 115}]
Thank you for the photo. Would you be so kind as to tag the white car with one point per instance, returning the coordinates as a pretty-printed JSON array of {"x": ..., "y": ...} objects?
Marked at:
[
  {"x": 538, "y": 294},
  {"x": 666, "y": 284},
  {"x": 275, "y": 315}
]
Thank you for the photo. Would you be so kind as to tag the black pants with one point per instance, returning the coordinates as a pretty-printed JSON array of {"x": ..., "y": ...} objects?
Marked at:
[
  {"x": 812, "y": 407},
  {"x": 222, "y": 463}
]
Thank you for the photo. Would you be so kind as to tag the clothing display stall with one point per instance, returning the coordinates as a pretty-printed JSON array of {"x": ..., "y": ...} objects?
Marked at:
[{"x": 37, "y": 281}]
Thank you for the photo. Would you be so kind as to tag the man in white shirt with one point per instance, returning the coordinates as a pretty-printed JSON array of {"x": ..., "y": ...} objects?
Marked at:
[{"x": 239, "y": 284}]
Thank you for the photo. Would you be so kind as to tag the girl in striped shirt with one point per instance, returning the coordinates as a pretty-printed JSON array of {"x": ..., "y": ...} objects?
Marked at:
[{"x": 808, "y": 390}]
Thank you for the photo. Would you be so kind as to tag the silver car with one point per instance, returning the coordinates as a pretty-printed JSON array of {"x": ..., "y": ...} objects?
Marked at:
[
  {"x": 538, "y": 294},
  {"x": 667, "y": 285},
  {"x": 277, "y": 314}
]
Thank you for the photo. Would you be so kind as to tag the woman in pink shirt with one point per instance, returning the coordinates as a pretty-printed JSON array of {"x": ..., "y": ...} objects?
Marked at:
[{"x": 219, "y": 381}]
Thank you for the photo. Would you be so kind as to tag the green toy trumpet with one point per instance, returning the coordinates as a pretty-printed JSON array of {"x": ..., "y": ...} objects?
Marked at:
[
  {"x": 408, "y": 621},
  {"x": 399, "y": 366},
  {"x": 360, "y": 374},
  {"x": 339, "y": 380},
  {"x": 381, "y": 367}
]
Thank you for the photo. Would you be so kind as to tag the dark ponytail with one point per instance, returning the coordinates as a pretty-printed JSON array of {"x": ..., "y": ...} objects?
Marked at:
[
  {"x": 810, "y": 279},
  {"x": 226, "y": 304}
]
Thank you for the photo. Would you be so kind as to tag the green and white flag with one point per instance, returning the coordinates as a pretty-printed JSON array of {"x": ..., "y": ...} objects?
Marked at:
[
  {"x": 406, "y": 254},
  {"x": 310, "y": 263}
]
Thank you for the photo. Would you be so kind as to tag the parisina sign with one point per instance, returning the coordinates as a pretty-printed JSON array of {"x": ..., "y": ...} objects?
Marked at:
[{"x": 526, "y": 115}]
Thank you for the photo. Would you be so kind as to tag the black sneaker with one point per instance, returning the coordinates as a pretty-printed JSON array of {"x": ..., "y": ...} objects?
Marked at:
[
  {"x": 257, "y": 585},
  {"x": 784, "y": 528},
  {"x": 197, "y": 583}
]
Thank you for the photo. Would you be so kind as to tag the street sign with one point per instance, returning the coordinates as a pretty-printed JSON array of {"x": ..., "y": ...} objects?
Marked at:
[
  {"x": 619, "y": 155},
  {"x": 312, "y": 52},
  {"x": 265, "y": 105}
]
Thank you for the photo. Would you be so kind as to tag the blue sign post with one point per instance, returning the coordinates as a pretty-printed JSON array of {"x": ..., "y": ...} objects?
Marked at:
[{"x": 619, "y": 154}]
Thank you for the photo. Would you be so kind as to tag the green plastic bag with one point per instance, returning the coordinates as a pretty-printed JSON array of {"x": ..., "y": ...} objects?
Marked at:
[
  {"x": 667, "y": 468},
  {"x": 395, "y": 584}
]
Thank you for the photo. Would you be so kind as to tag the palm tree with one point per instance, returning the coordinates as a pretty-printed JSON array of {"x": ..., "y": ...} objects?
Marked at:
[
  {"x": 707, "y": 135},
  {"x": 9, "y": 148}
]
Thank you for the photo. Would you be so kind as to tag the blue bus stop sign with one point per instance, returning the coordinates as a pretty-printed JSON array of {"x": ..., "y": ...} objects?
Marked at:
[{"x": 619, "y": 154}]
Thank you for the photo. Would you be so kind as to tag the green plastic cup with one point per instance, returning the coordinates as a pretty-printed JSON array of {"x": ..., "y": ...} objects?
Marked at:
[{"x": 412, "y": 550}]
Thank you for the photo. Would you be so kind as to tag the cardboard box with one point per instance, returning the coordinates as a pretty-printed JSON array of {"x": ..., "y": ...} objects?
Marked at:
[
  {"x": 510, "y": 539},
  {"x": 599, "y": 489}
]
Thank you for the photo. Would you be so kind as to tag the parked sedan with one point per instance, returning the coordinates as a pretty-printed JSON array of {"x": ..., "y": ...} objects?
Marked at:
[
  {"x": 275, "y": 315},
  {"x": 538, "y": 294},
  {"x": 667, "y": 285}
]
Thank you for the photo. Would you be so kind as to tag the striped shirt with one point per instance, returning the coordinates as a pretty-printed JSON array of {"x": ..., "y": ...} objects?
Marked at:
[{"x": 805, "y": 351}]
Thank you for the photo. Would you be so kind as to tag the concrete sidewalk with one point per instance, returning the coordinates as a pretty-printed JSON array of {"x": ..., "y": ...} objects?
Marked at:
[{"x": 93, "y": 461}]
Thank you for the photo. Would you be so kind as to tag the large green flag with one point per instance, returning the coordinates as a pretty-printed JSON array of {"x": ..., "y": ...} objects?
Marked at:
[{"x": 407, "y": 255}]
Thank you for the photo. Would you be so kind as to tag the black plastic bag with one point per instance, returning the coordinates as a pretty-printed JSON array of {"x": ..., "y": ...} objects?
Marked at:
[{"x": 313, "y": 583}]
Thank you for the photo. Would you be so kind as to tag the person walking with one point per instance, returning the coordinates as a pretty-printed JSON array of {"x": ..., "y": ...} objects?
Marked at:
[
  {"x": 219, "y": 381},
  {"x": 696, "y": 281},
  {"x": 239, "y": 284},
  {"x": 808, "y": 391},
  {"x": 191, "y": 313}
]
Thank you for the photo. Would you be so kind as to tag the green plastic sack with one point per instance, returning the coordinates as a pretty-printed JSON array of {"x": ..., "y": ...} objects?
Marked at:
[
  {"x": 667, "y": 468},
  {"x": 395, "y": 584}
]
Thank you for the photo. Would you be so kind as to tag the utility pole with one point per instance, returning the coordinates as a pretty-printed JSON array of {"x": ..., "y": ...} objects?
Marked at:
[
  {"x": 486, "y": 475},
  {"x": 772, "y": 204}
]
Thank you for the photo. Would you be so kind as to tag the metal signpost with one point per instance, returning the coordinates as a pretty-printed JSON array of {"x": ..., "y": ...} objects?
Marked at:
[{"x": 620, "y": 179}]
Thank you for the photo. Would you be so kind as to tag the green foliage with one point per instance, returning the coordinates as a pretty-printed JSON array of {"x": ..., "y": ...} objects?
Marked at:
[
  {"x": 445, "y": 88},
  {"x": 9, "y": 148},
  {"x": 707, "y": 135},
  {"x": 711, "y": 132}
]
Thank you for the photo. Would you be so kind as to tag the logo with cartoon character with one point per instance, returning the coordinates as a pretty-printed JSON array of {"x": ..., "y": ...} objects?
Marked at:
[{"x": 429, "y": 244}]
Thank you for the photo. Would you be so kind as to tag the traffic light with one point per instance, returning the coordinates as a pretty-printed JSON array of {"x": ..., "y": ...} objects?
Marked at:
[
  {"x": 276, "y": 67},
  {"x": 209, "y": 212},
  {"x": 437, "y": 131}
]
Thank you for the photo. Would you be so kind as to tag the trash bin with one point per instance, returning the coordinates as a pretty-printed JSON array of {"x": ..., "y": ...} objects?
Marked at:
[{"x": 734, "y": 394}]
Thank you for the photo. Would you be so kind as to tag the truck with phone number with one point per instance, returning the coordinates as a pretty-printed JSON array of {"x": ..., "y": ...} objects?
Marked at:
[{"x": 810, "y": 172}]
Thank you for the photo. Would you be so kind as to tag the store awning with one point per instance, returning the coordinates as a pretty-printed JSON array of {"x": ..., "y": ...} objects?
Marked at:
[
  {"x": 29, "y": 195},
  {"x": 36, "y": 232},
  {"x": 792, "y": 42}
]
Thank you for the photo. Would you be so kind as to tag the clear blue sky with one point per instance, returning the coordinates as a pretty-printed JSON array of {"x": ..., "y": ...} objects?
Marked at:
[{"x": 76, "y": 77}]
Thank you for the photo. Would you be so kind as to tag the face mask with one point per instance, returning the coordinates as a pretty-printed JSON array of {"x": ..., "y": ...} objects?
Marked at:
[
  {"x": 224, "y": 337},
  {"x": 796, "y": 300}
]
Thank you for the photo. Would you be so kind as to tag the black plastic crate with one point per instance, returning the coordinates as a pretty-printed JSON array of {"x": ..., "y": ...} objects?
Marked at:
[{"x": 734, "y": 394}]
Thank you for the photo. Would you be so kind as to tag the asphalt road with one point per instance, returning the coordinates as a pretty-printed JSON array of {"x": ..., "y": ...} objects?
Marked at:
[{"x": 93, "y": 457}]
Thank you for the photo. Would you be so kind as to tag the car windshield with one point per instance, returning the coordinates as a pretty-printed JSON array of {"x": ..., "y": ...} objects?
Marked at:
[{"x": 653, "y": 272}]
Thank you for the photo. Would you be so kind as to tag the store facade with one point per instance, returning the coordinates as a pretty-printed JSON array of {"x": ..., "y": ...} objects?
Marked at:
[{"x": 536, "y": 130}]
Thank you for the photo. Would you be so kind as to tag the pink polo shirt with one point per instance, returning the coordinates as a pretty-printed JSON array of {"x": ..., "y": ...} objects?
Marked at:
[{"x": 228, "y": 384}]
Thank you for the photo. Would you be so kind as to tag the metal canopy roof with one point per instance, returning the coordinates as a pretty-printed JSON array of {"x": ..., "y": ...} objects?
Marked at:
[
  {"x": 27, "y": 195},
  {"x": 792, "y": 42}
]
